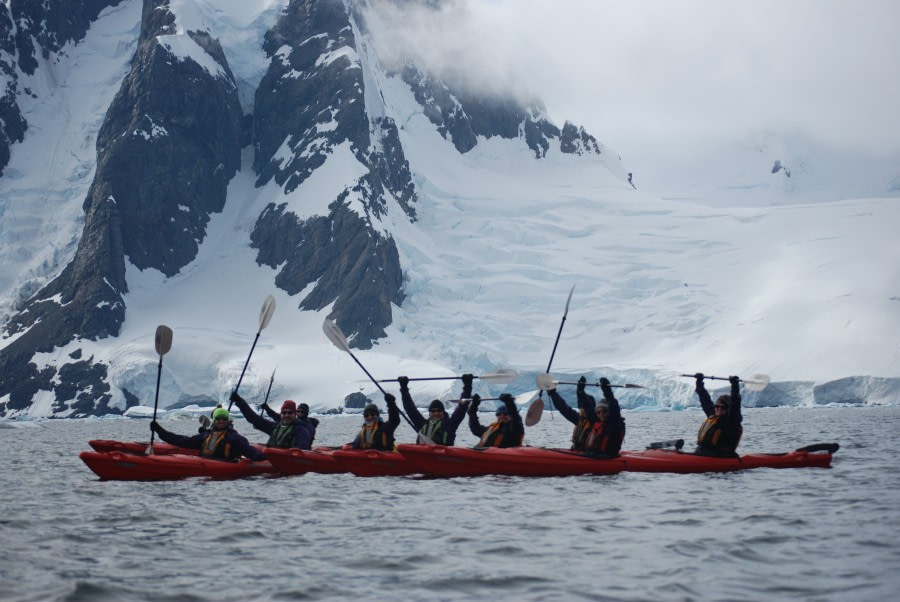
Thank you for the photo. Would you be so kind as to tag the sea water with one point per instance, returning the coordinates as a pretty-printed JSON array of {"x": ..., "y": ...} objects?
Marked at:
[{"x": 800, "y": 534}]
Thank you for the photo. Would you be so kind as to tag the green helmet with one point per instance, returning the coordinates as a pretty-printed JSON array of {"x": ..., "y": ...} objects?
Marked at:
[{"x": 220, "y": 413}]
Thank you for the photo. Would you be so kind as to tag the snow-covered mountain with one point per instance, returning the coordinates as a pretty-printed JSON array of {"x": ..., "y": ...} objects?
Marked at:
[{"x": 179, "y": 160}]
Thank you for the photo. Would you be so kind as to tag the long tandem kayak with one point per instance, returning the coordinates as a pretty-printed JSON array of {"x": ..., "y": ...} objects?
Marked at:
[
  {"x": 119, "y": 466},
  {"x": 441, "y": 461},
  {"x": 670, "y": 460},
  {"x": 373, "y": 463}
]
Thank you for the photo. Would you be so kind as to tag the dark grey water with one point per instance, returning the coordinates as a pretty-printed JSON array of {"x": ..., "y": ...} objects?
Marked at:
[{"x": 802, "y": 534}]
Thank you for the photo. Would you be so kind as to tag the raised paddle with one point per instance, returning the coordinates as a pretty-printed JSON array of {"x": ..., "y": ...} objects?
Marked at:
[
  {"x": 500, "y": 377},
  {"x": 756, "y": 382},
  {"x": 536, "y": 409},
  {"x": 163, "y": 342},
  {"x": 265, "y": 314},
  {"x": 545, "y": 382},
  {"x": 265, "y": 402},
  {"x": 337, "y": 337}
]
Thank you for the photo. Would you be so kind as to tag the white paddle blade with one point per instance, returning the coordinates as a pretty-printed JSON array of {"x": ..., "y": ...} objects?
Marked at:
[
  {"x": 335, "y": 335},
  {"x": 534, "y": 413},
  {"x": 756, "y": 382},
  {"x": 545, "y": 381},
  {"x": 163, "y": 339},
  {"x": 500, "y": 377},
  {"x": 527, "y": 397},
  {"x": 265, "y": 314}
]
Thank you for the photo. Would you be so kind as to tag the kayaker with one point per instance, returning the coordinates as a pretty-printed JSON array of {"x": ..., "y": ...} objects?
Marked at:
[
  {"x": 376, "y": 433},
  {"x": 507, "y": 431},
  {"x": 721, "y": 432},
  {"x": 290, "y": 431},
  {"x": 586, "y": 405},
  {"x": 604, "y": 440},
  {"x": 221, "y": 442},
  {"x": 440, "y": 426}
]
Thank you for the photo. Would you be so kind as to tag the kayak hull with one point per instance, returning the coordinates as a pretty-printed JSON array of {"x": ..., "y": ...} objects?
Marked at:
[
  {"x": 372, "y": 463},
  {"x": 119, "y": 466},
  {"x": 138, "y": 447},
  {"x": 444, "y": 461},
  {"x": 301, "y": 461},
  {"x": 672, "y": 461}
]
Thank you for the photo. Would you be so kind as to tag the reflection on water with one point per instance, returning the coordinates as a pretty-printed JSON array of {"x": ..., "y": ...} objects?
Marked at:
[{"x": 763, "y": 534}]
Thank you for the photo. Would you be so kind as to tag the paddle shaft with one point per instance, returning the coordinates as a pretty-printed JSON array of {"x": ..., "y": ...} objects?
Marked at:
[{"x": 156, "y": 400}]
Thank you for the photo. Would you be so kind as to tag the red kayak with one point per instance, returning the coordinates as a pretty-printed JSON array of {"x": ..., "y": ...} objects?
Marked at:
[
  {"x": 372, "y": 463},
  {"x": 118, "y": 466},
  {"x": 300, "y": 461},
  {"x": 438, "y": 460},
  {"x": 137, "y": 447},
  {"x": 670, "y": 460}
]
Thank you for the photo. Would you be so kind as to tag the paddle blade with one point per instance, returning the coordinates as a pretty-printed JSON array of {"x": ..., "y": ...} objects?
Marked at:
[
  {"x": 568, "y": 300},
  {"x": 756, "y": 382},
  {"x": 335, "y": 335},
  {"x": 534, "y": 413},
  {"x": 545, "y": 381},
  {"x": 500, "y": 377},
  {"x": 265, "y": 314},
  {"x": 163, "y": 339}
]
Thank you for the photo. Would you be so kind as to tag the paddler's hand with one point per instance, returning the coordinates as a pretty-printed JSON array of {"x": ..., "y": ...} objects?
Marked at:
[
  {"x": 582, "y": 382},
  {"x": 154, "y": 426},
  {"x": 235, "y": 397},
  {"x": 467, "y": 380}
]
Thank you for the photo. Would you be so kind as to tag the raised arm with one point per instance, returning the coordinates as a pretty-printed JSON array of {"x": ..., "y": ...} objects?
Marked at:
[
  {"x": 409, "y": 405},
  {"x": 474, "y": 425},
  {"x": 705, "y": 400},
  {"x": 258, "y": 422}
]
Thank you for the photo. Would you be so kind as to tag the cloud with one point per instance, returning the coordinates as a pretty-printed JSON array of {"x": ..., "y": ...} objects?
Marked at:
[{"x": 664, "y": 73}]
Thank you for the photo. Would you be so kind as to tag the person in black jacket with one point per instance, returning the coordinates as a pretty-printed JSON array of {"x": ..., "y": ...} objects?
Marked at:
[
  {"x": 290, "y": 431},
  {"x": 376, "y": 433},
  {"x": 586, "y": 404},
  {"x": 507, "y": 431},
  {"x": 439, "y": 427},
  {"x": 721, "y": 432},
  {"x": 221, "y": 442},
  {"x": 604, "y": 440}
]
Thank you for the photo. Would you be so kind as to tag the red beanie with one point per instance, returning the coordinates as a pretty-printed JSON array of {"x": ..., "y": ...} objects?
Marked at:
[{"x": 289, "y": 405}]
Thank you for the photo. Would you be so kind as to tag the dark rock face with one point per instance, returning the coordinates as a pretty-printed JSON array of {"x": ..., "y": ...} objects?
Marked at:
[
  {"x": 22, "y": 23},
  {"x": 165, "y": 153},
  {"x": 310, "y": 104}
]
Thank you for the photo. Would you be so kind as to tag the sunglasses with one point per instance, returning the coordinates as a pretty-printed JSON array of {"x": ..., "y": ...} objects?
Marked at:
[
  {"x": 370, "y": 414},
  {"x": 288, "y": 413}
]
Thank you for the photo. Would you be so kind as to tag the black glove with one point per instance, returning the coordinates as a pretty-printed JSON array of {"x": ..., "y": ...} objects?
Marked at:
[
  {"x": 235, "y": 397},
  {"x": 467, "y": 380},
  {"x": 154, "y": 426},
  {"x": 581, "y": 383},
  {"x": 476, "y": 399},
  {"x": 390, "y": 399},
  {"x": 734, "y": 380},
  {"x": 604, "y": 382},
  {"x": 404, "y": 382},
  {"x": 506, "y": 397},
  {"x": 699, "y": 377}
]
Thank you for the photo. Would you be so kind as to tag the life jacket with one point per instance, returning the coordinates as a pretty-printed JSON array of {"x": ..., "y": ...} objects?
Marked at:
[
  {"x": 372, "y": 436},
  {"x": 494, "y": 437},
  {"x": 282, "y": 436},
  {"x": 597, "y": 441},
  {"x": 713, "y": 437},
  {"x": 580, "y": 434},
  {"x": 434, "y": 430},
  {"x": 215, "y": 445}
]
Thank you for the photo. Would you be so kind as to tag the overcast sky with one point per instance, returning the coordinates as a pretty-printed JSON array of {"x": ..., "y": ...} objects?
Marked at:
[{"x": 647, "y": 76}]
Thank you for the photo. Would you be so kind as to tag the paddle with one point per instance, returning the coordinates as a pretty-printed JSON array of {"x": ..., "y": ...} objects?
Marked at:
[
  {"x": 337, "y": 337},
  {"x": 756, "y": 382},
  {"x": 536, "y": 409},
  {"x": 825, "y": 447},
  {"x": 265, "y": 314},
  {"x": 545, "y": 382},
  {"x": 269, "y": 390},
  {"x": 501, "y": 377},
  {"x": 163, "y": 342},
  {"x": 676, "y": 443}
]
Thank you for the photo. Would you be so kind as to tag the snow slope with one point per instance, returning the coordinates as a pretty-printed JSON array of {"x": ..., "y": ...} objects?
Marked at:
[{"x": 807, "y": 292}]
